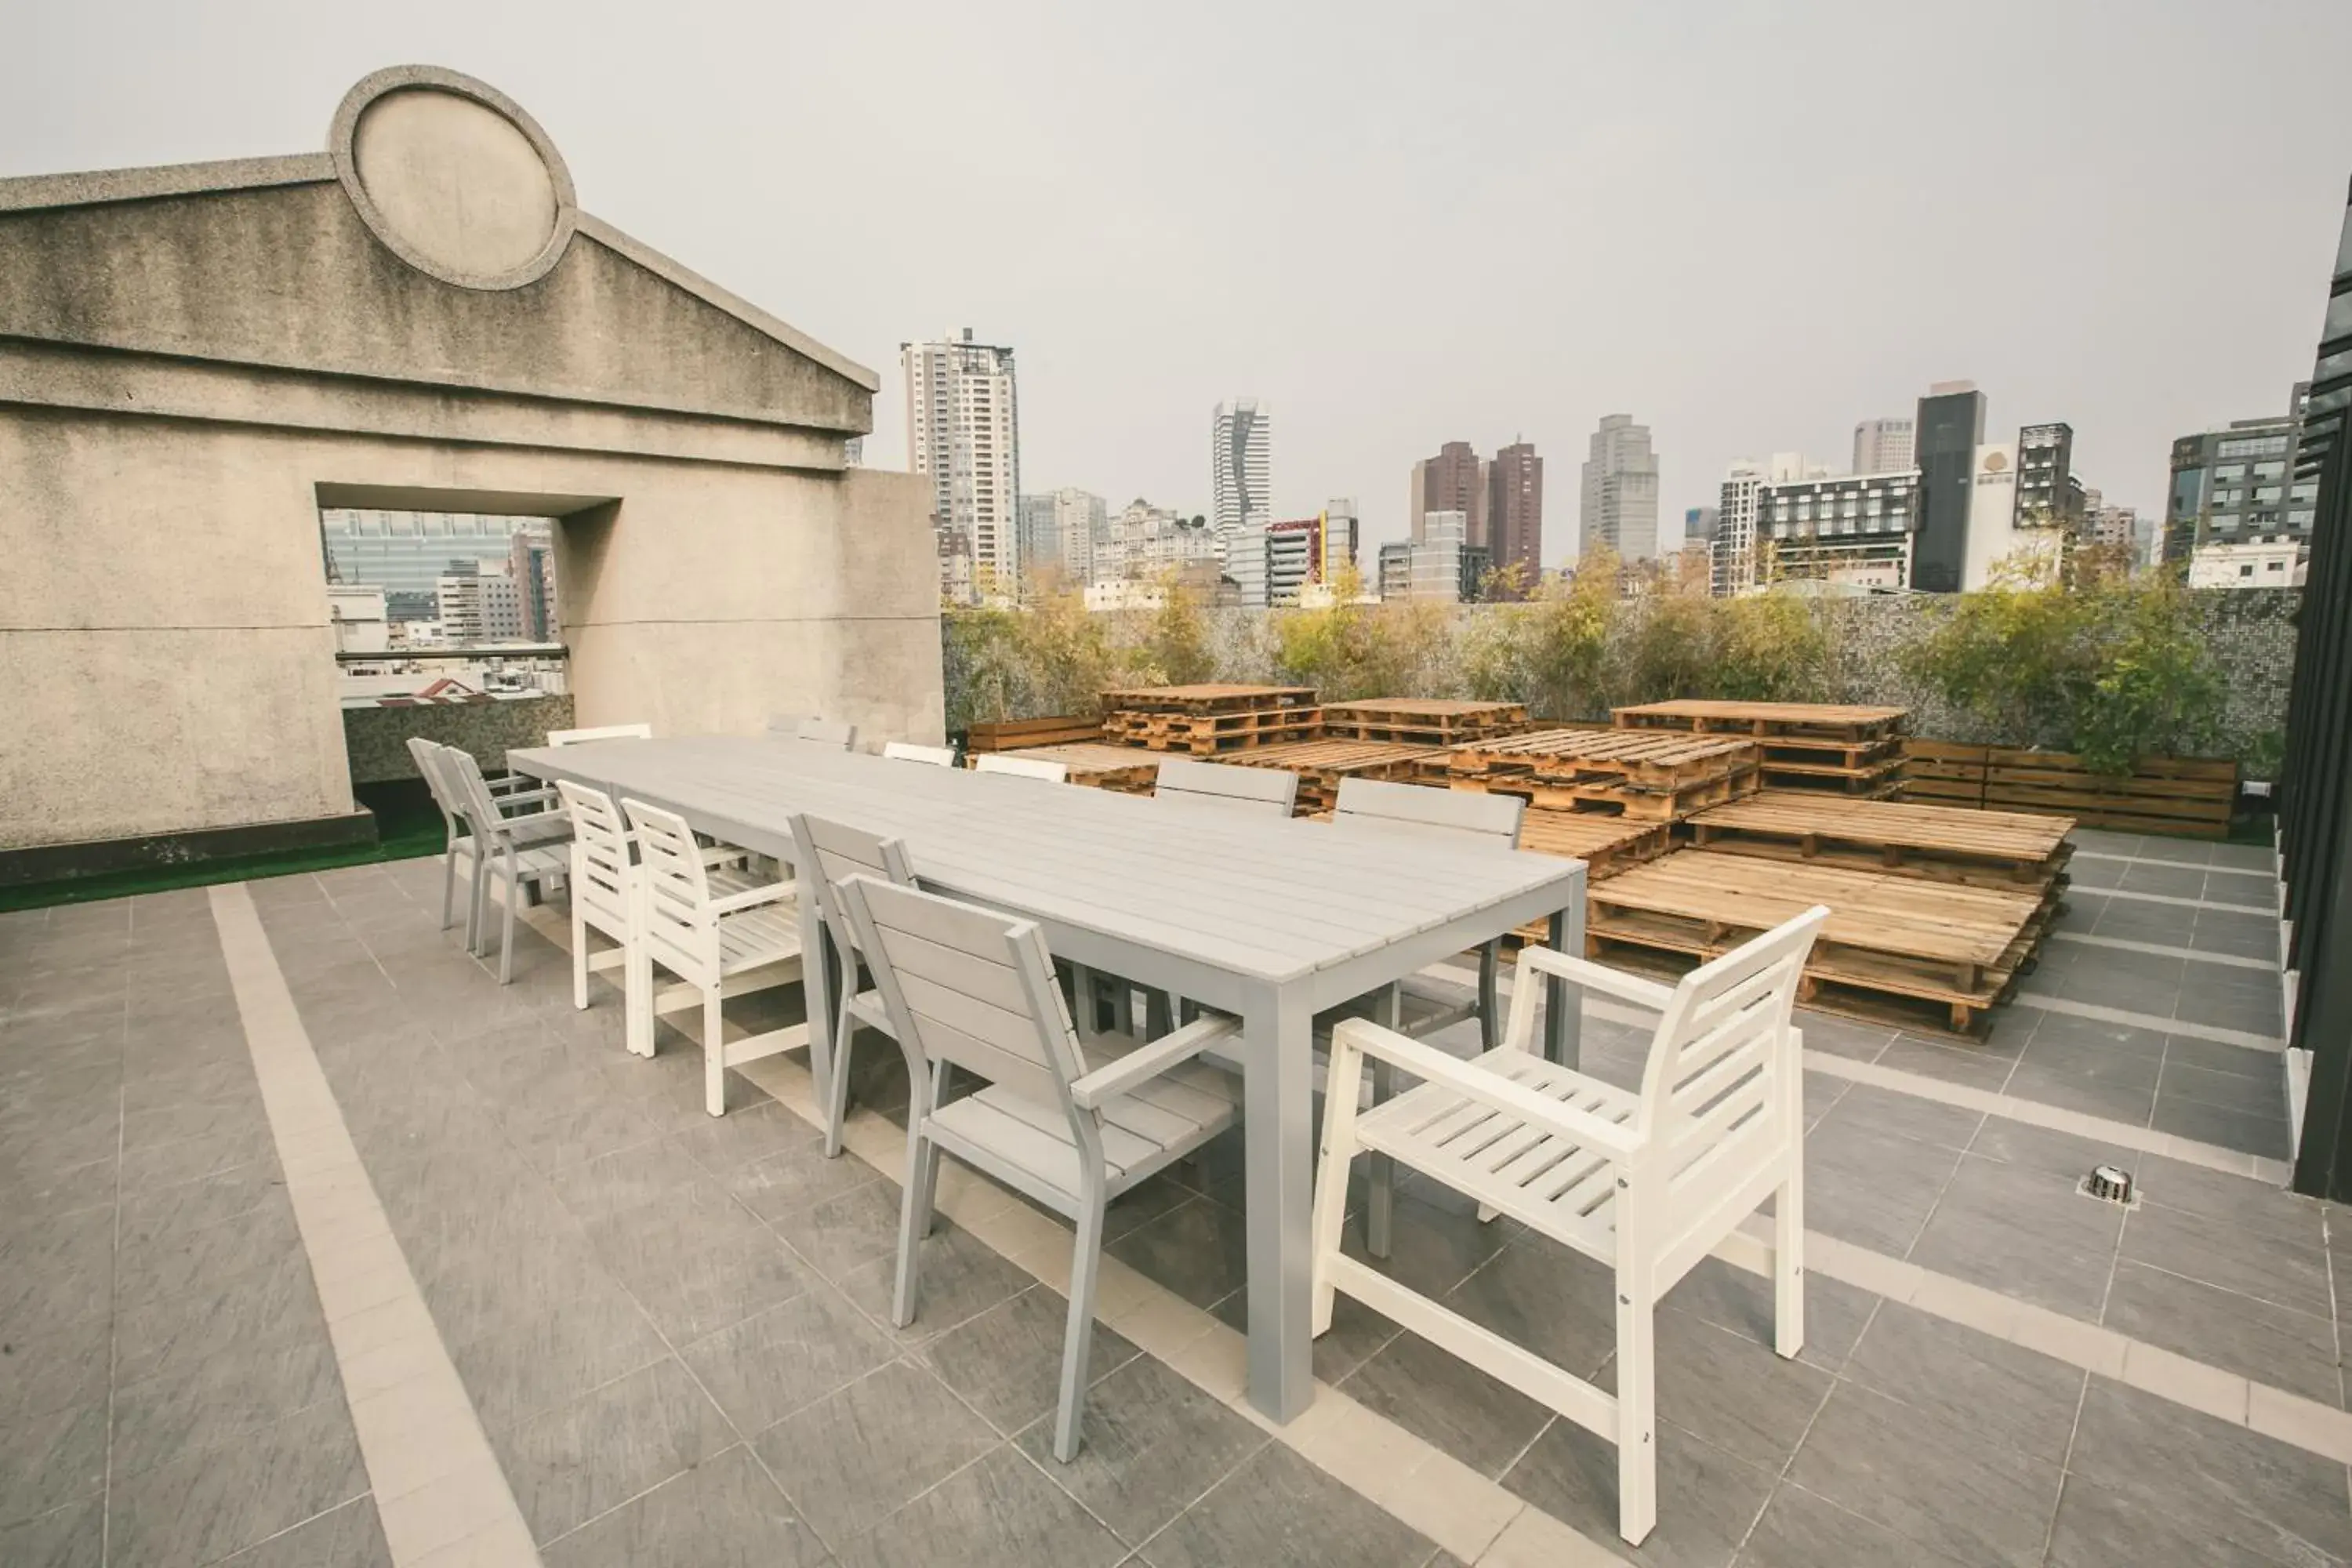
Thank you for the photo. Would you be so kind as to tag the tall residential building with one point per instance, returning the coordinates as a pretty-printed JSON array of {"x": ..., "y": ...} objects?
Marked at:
[
  {"x": 1882, "y": 446},
  {"x": 1041, "y": 549},
  {"x": 1699, "y": 525},
  {"x": 1514, "y": 513},
  {"x": 478, "y": 608},
  {"x": 530, "y": 561},
  {"x": 1341, "y": 531},
  {"x": 963, "y": 434},
  {"x": 1620, "y": 509},
  {"x": 1081, "y": 522},
  {"x": 1241, "y": 464},
  {"x": 2047, "y": 490},
  {"x": 1453, "y": 481},
  {"x": 2237, "y": 485},
  {"x": 1950, "y": 429},
  {"x": 1738, "y": 504}
]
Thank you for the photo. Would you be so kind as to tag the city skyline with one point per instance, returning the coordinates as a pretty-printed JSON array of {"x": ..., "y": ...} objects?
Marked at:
[{"x": 2137, "y": 329}]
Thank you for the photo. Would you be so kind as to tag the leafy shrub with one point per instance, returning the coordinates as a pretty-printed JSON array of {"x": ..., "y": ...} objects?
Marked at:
[
  {"x": 1347, "y": 650},
  {"x": 1551, "y": 652}
]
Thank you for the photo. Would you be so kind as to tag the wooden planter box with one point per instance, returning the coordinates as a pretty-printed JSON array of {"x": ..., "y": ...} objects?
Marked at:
[
  {"x": 1013, "y": 734},
  {"x": 2190, "y": 795}
]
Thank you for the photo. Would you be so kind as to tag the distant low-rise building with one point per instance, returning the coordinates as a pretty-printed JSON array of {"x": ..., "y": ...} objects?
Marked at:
[
  {"x": 2276, "y": 564},
  {"x": 479, "y": 607},
  {"x": 1852, "y": 528},
  {"x": 1441, "y": 567},
  {"x": 1145, "y": 542},
  {"x": 2236, "y": 485}
]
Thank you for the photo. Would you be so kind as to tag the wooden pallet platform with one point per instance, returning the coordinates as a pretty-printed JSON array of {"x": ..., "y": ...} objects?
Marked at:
[
  {"x": 1603, "y": 756},
  {"x": 1634, "y": 803},
  {"x": 1785, "y": 722},
  {"x": 1422, "y": 720},
  {"x": 1607, "y": 845},
  {"x": 1205, "y": 699},
  {"x": 1932, "y": 843},
  {"x": 1206, "y": 734},
  {"x": 1121, "y": 769},
  {"x": 1321, "y": 765},
  {"x": 1012, "y": 734},
  {"x": 1869, "y": 781},
  {"x": 1958, "y": 949}
]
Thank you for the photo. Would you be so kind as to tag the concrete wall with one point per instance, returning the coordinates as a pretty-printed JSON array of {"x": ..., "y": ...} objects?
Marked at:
[{"x": 193, "y": 360}]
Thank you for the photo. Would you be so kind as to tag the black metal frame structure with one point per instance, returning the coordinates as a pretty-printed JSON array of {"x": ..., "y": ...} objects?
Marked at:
[{"x": 2316, "y": 800}]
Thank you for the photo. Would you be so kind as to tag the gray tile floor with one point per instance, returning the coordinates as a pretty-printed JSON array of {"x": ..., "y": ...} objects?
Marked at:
[{"x": 673, "y": 1329}]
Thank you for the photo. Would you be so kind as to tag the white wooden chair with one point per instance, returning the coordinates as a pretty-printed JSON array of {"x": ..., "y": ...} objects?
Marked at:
[
  {"x": 1068, "y": 1127},
  {"x": 720, "y": 944},
  {"x": 786, "y": 726},
  {"x": 601, "y": 732},
  {"x": 1646, "y": 1183},
  {"x": 907, "y": 752},
  {"x": 1262, "y": 791},
  {"x": 459, "y": 840},
  {"x": 1370, "y": 807},
  {"x": 1021, "y": 767},
  {"x": 829, "y": 852},
  {"x": 828, "y": 733},
  {"x": 525, "y": 851}
]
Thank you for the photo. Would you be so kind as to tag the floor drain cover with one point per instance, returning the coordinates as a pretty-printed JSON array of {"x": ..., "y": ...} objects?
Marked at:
[{"x": 2110, "y": 1185}]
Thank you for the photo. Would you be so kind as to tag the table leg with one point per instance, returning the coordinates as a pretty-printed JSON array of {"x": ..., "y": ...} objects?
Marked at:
[
  {"x": 1564, "y": 1002},
  {"x": 1278, "y": 1106}
]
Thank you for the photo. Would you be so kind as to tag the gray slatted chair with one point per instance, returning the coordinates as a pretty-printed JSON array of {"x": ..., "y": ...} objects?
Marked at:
[
  {"x": 639, "y": 732},
  {"x": 1370, "y": 807},
  {"x": 524, "y": 852},
  {"x": 975, "y": 988},
  {"x": 459, "y": 840},
  {"x": 909, "y": 751},
  {"x": 1263, "y": 792},
  {"x": 828, "y": 852},
  {"x": 828, "y": 733},
  {"x": 1021, "y": 767}
]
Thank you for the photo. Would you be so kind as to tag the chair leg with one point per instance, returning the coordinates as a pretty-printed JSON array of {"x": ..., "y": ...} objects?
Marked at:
[
  {"x": 1637, "y": 1449},
  {"x": 637, "y": 999},
  {"x": 1381, "y": 1212},
  {"x": 914, "y": 1213},
  {"x": 1078, "y": 1343},
  {"x": 579, "y": 956},
  {"x": 506, "y": 934},
  {"x": 714, "y": 1052},
  {"x": 837, "y": 1088},
  {"x": 1789, "y": 1261},
  {"x": 477, "y": 879},
  {"x": 1331, "y": 1176},
  {"x": 449, "y": 884}
]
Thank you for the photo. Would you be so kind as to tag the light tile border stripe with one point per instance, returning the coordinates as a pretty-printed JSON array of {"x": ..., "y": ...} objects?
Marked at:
[
  {"x": 2213, "y": 1031},
  {"x": 2164, "y": 950},
  {"x": 2175, "y": 900},
  {"x": 2290, "y": 1418},
  {"x": 436, "y": 1485},
  {"x": 2057, "y": 1119},
  {"x": 2177, "y": 865}
]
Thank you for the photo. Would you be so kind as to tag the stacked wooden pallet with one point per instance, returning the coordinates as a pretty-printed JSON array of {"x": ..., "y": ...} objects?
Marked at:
[
  {"x": 1944, "y": 771},
  {"x": 1897, "y": 950},
  {"x": 1206, "y": 720},
  {"x": 2013, "y": 850},
  {"x": 1646, "y": 777},
  {"x": 1834, "y": 748},
  {"x": 1014, "y": 734},
  {"x": 1121, "y": 769},
  {"x": 1321, "y": 765},
  {"x": 2192, "y": 795},
  {"x": 1420, "y": 722}
]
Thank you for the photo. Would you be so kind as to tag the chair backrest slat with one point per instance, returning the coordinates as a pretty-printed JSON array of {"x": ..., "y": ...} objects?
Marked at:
[
  {"x": 601, "y": 732},
  {"x": 1379, "y": 806},
  {"x": 427, "y": 754},
  {"x": 828, "y": 733},
  {"x": 463, "y": 777},
  {"x": 599, "y": 854},
  {"x": 829, "y": 852},
  {"x": 1021, "y": 767},
  {"x": 967, "y": 985},
  {"x": 907, "y": 752},
  {"x": 1264, "y": 791}
]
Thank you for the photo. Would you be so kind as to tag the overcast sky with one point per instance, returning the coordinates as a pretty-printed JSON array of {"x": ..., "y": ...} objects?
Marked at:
[{"x": 1747, "y": 226}]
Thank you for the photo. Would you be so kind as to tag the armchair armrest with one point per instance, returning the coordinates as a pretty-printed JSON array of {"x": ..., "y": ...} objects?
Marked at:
[
  {"x": 718, "y": 854},
  {"x": 751, "y": 898},
  {"x": 1147, "y": 1062},
  {"x": 509, "y": 781},
  {"x": 1489, "y": 1088},
  {"x": 524, "y": 797},
  {"x": 1584, "y": 971}
]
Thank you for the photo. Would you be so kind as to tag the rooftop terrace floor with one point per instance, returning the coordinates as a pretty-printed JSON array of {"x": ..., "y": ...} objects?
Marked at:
[{"x": 319, "y": 1247}]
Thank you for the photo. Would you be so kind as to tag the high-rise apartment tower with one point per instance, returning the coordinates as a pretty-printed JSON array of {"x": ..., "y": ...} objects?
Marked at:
[
  {"x": 1620, "y": 509},
  {"x": 963, "y": 434}
]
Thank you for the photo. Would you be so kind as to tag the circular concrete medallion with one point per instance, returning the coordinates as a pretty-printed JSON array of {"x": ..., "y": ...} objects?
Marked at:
[{"x": 454, "y": 177}]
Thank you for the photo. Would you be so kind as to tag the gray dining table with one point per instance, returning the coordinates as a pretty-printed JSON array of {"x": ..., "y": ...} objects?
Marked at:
[{"x": 1270, "y": 919}]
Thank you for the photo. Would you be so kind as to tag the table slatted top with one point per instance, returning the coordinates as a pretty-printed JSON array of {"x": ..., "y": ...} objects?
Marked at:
[{"x": 1269, "y": 899}]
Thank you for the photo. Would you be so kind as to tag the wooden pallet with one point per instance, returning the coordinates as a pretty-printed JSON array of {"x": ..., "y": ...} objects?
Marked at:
[
  {"x": 1903, "y": 941},
  {"x": 1011, "y": 734},
  {"x": 1867, "y": 781},
  {"x": 1205, "y": 699},
  {"x": 1786, "y": 723},
  {"x": 1603, "y": 756},
  {"x": 1932, "y": 843},
  {"x": 2190, "y": 795},
  {"x": 1208, "y": 734},
  {"x": 1607, "y": 845},
  {"x": 1321, "y": 765},
  {"x": 1422, "y": 721},
  {"x": 1121, "y": 768},
  {"x": 1634, "y": 803},
  {"x": 1944, "y": 772}
]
